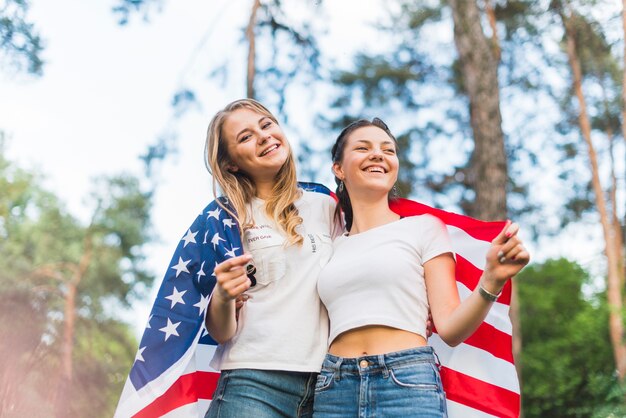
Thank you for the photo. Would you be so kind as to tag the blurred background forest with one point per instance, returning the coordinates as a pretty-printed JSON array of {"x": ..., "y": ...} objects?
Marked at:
[{"x": 503, "y": 109}]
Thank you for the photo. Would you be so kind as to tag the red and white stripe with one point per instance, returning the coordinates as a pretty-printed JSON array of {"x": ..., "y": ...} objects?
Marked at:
[
  {"x": 478, "y": 375},
  {"x": 174, "y": 394}
]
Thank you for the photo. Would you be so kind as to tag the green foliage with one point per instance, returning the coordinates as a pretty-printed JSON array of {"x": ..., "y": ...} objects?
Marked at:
[
  {"x": 124, "y": 9},
  {"x": 101, "y": 359},
  {"x": 567, "y": 362},
  {"x": 20, "y": 44},
  {"x": 44, "y": 251},
  {"x": 416, "y": 86}
]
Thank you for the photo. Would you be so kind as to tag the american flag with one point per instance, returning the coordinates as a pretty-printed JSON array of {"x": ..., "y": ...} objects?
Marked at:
[
  {"x": 171, "y": 375},
  {"x": 478, "y": 375}
]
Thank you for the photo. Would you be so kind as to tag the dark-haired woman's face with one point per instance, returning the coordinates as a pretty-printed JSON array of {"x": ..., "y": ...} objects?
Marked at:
[{"x": 369, "y": 162}]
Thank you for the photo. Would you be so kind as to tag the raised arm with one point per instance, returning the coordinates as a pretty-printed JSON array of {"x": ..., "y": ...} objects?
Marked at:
[{"x": 455, "y": 321}]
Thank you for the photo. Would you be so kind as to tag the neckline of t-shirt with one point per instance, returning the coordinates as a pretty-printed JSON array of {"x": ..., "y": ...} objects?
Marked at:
[
  {"x": 259, "y": 201},
  {"x": 345, "y": 234}
]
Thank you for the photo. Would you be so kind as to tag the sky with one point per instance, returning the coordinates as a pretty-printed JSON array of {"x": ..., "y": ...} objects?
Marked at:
[{"x": 106, "y": 95}]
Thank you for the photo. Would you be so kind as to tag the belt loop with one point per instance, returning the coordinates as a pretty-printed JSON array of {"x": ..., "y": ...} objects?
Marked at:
[
  {"x": 381, "y": 361},
  {"x": 338, "y": 369}
]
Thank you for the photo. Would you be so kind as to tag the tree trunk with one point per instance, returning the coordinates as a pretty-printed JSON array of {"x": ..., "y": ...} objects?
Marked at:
[
  {"x": 621, "y": 231},
  {"x": 614, "y": 294},
  {"x": 495, "y": 41},
  {"x": 251, "y": 49},
  {"x": 63, "y": 396},
  {"x": 615, "y": 222},
  {"x": 488, "y": 164}
]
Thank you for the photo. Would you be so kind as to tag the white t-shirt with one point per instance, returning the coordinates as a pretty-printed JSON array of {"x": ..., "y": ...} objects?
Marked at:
[
  {"x": 283, "y": 326},
  {"x": 376, "y": 277}
]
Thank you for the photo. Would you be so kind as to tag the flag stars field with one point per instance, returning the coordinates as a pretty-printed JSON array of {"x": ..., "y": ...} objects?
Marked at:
[
  {"x": 231, "y": 253},
  {"x": 202, "y": 304},
  {"x": 170, "y": 329},
  {"x": 181, "y": 266},
  {"x": 139, "y": 355},
  {"x": 201, "y": 272},
  {"x": 189, "y": 237},
  {"x": 176, "y": 297},
  {"x": 214, "y": 214},
  {"x": 216, "y": 240}
]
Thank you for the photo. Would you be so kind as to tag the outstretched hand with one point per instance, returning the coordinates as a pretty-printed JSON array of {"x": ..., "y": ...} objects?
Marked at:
[{"x": 506, "y": 256}]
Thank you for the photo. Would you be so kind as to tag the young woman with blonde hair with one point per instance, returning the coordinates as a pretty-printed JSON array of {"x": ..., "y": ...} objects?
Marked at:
[{"x": 264, "y": 311}]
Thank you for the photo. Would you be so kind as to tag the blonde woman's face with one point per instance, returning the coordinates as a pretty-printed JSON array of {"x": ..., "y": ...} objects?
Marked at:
[{"x": 255, "y": 143}]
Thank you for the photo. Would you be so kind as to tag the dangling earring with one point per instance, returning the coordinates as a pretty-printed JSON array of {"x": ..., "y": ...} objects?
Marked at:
[
  {"x": 340, "y": 188},
  {"x": 394, "y": 191}
]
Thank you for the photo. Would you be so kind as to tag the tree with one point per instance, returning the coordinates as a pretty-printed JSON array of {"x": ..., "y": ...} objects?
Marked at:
[
  {"x": 20, "y": 43},
  {"x": 568, "y": 368},
  {"x": 587, "y": 61},
  {"x": 59, "y": 281},
  {"x": 282, "y": 52}
]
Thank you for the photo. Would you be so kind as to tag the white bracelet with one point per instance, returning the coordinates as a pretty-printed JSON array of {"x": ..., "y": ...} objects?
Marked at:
[{"x": 487, "y": 295}]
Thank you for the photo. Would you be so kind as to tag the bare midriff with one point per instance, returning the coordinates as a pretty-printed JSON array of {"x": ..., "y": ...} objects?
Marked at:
[{"x": 374, "y": 340}]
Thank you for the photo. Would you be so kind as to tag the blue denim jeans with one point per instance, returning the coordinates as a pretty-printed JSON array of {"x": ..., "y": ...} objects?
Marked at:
[
  {"x": 243, "y": 393},
  {"x": 401, "y": 384}
]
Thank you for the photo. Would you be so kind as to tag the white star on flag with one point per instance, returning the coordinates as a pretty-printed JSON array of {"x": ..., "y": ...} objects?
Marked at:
[
  {"x": 216, "y": 240},
  {"x": 231, "y": 253},
  {"x": 148, "y": 325},
  {"x": 189, "y": 237},
  {"x": 139, "y": 355},
  {"x": 205, "y": 235},
  {"x": 213, "y": 274},
  {"x": 176, "y": 297},
  {"x": 228, "y": 223},
  {"x": 181, "y": 266},
  {"x": 215, "y": 213},
  {"x": 170, "y": 329},
  {"x": 202, "y": 304},
  {"x": 201, "y": 273}
]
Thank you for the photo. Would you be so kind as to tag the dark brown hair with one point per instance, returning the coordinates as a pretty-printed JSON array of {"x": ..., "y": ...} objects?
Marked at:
[{"x": 345, "y": 205}]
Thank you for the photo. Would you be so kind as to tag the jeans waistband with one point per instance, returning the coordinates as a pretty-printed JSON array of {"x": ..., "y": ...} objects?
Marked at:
[{"x": 380, "y": 362}]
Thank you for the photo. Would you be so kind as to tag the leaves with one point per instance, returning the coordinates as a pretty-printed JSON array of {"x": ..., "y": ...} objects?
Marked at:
[
  {"x": 44, "y": 251},
  {"x": 21, "y": 46},
  {"x": 567, "y": 364}
]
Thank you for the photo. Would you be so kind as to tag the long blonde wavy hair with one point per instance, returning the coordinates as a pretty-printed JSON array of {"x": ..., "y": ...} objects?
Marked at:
[{"x": 239, "y": 188}]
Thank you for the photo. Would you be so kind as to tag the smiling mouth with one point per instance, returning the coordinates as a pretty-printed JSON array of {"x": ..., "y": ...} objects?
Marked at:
[
  {"x": 375, "y": 170},
  {"x": 270, "y": 149}
]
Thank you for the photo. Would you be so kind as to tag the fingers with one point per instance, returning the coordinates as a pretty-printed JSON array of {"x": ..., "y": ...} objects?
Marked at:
[
  {"x": 514, "y": 253},
  {"x": 510, "y": 247},
  {"x": 241, "y": 300},
  {"x": 502, "y": 236},
  {"x": 235, "y": 286},
  {"x": 429, "y": 325},
  {"x": 231, "y": 277},
  {"x": 232, "y": 263}
]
